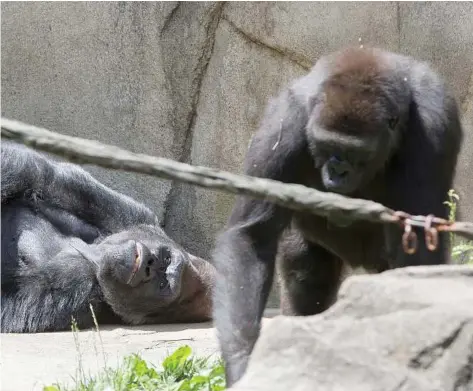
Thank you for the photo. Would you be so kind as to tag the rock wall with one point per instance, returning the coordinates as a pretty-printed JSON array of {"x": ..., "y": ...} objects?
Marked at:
[{"x": 190, "y": 80}]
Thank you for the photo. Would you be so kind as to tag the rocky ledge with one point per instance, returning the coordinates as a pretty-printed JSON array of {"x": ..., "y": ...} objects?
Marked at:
[{"x": 403, "y": 330}]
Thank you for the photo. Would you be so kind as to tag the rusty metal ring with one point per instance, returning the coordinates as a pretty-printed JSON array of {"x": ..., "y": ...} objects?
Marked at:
[
  {"x": 431, "y": 234},
  {"x": 431, "y": 239},
  {"x": 409, "y": 240}
]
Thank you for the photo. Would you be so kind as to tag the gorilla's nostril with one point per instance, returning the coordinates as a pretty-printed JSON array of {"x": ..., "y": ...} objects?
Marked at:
[
  {"x": 163, "y": 284},
  {"x": 337, "y": 167},
  {"x": 165, "y": 255},
  {"x": 334, "y": 171}
]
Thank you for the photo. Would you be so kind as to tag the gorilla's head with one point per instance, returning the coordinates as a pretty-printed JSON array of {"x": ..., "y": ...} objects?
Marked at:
[
  {"x": 146, "y": 277},
  {"x": 357, "y": 118}
]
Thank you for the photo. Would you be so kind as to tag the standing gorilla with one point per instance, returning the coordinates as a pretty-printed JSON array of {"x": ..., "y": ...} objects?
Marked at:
[
  {"x": 365, "y": 123},
  {"x": 69, "y": 241}
]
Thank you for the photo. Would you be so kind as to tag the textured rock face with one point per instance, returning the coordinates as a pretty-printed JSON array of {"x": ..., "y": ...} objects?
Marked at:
[
  {"x": 402, "y": 330},
  {"x": 190, "y": 80}
]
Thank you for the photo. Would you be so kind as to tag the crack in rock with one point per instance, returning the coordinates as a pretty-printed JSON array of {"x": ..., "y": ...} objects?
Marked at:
[
  {"x": 294, "y": 57},
  {"x": 398, "y": 25},
  {"x": 199, "y": 71},
  {"x": 465, "y": 373},
  {"x": 201, "y": 68},
  {"x": 160, "y": 343},
  {"x": 428, "y": 356},
  {"x": 170, "y": 17}
]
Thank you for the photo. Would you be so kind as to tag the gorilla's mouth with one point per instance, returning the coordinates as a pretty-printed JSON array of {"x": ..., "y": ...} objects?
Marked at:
[{"x": 136, "y": 263}]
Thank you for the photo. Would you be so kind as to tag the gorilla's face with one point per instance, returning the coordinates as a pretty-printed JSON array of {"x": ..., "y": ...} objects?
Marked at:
[
  {"x": 143, "y": 273},
  {"x": 345, "y": 163},
  {"x": 339, "y": 175},
  {"x": 136, "y": 261},
  {"x": 351, "y": 139}
]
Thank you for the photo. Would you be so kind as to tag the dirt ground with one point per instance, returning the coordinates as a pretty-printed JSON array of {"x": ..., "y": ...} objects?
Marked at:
[{"x": 31, "y": 361}]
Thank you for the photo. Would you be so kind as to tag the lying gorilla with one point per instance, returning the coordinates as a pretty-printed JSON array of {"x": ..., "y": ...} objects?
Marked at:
[{"x": 68, "y": 241}]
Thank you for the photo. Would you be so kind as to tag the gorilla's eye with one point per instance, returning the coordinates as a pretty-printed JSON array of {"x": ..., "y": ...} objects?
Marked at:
[{"x": 392, "y": 122}]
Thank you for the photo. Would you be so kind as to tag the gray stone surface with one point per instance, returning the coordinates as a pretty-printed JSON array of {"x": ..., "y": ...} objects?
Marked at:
[
  {"x": 465, "y": 173},
  {"x": 190, "y": 80},
  {"x": 404, "y": 330},
  {"x": 303, "y": 31},
  {"x": 30, "y": 361},
  {"x": 116, "y": 72}
]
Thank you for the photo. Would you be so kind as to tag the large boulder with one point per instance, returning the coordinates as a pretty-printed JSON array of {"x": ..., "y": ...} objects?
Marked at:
[{"x": 402, "y": 330}]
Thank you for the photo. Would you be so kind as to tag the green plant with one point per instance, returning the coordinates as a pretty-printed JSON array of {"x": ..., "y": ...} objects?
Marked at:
[
  {"x": 453, "y": 199},
  {"x": 462, "y": 250},
  {"x": 180, "y": 372}
]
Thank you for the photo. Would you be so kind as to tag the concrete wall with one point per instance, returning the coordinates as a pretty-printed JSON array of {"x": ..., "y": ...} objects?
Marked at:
[{"x": 189, "y": 81}]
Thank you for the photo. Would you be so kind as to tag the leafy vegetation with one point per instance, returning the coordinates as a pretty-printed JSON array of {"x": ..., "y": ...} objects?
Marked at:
[
  {"x": 462, "y": 249},
  {"x": 180, "y": 372}
]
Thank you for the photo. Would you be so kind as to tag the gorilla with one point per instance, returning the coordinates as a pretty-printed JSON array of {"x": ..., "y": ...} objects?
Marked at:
[
  {"x": 363, "y": 122},
  {"x": 69, "y": 242}
]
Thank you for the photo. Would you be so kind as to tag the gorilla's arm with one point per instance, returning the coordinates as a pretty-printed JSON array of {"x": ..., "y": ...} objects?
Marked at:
[
  {"x": 423, "y": 178},
  {"x": 26, "y": 173},
  {"x": 245, "y": 254},
  {"x": 49, "y": 293}
]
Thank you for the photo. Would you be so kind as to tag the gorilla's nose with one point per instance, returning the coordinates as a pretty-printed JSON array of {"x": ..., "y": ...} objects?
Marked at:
[
  {"x": 338, "y": 167},
  {"x": 148, "y": 265}
]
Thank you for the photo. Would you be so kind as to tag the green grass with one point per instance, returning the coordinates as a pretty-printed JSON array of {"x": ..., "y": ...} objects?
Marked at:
[{"x": 180, "y": 371}]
